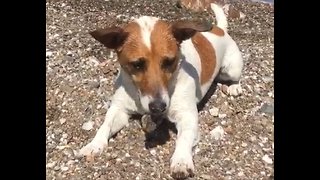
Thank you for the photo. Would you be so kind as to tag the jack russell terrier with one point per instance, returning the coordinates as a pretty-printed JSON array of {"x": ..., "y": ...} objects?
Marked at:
[{"x": 166, "y": 69}]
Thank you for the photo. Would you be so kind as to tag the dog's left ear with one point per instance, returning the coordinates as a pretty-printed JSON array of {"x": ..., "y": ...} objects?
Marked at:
[
  {"x": 185, "y": 29},
  {"x": 112, "y": 38}
]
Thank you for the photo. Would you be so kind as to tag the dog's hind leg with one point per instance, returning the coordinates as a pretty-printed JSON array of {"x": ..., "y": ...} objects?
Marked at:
[{"x": 231, "y": 70}]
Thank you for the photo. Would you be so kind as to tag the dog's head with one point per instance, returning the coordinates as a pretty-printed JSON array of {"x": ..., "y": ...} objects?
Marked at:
[{"x": 148, "y": 50}]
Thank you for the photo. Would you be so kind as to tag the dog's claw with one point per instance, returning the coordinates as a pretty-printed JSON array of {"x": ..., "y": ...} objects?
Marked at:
[
  {"x": 92, "y": 149},
  {"x": 182, "y": 167}
]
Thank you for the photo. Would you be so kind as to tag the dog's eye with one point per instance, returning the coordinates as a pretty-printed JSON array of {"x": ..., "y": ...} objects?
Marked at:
[
  {"x": 138, "y": 65},
  {"x": 167, "y": 63}
]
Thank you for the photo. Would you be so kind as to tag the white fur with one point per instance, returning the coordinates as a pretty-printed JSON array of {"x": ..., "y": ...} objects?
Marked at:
[
  {"x": 146, "y": 24},
  {"x": 145, "y": 100},
  {"x": 221, "y": 17},
  {"x": 185, "y": 91}
]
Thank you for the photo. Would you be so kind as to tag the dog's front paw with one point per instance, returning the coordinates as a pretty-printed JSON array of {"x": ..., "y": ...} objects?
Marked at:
[
  {"x": 92, "y": 149},
  {"x": 232, "y": 90},
  {"x": 181, "y": 166}
]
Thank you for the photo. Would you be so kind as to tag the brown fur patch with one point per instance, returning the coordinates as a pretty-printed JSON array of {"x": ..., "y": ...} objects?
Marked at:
[
  {"x": 154, "y": 78},
  {"x": 217, "y": 31},
  {"x": 207, "y": 56}
]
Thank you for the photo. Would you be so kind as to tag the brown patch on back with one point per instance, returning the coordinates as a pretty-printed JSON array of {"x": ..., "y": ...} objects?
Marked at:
[
  {"x": 217, "y": 31},
  {"x": 163, "y": 44},
  {"x": 207, "y": 56}
]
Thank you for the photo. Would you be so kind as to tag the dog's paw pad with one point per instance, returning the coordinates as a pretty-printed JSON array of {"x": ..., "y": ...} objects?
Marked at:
[
  {"x": 234, "y": 90},
  {"x": 92, "y": 149},
  {"x": 182, "y": 167}
]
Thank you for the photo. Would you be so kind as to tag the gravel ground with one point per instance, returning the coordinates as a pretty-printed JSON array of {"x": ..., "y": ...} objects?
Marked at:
[{"x": 237, "y": 140}]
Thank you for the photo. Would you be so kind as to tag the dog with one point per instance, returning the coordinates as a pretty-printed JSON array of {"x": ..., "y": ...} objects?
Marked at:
[{"x": 165, "y": 69}]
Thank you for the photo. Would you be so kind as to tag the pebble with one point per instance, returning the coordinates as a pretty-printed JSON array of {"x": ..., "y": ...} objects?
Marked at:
[
  {"x": 94, "y": 61},
  {"x": 267, "y": 159},
  {"x": 244, "y": 144},
  {"x": 50, "y": 165},
  {"x": 56, "y": 168},
  {"x": 221, "y": 116},
  {"x": 95, "y": 84},
  {"x": 267, "y": 108},
  {"x": 65, "y": 136},
  {"x": 240, "y": 173},
  {"x": 64, "y": 168},
  {"x": 49, "y": 54},
  {"x": 205, "y": 176},
  {"x": 223, "y": 122},
  {"x": 214, "y": 111},
  {"x": 153, "y": 152},
  {"x": 253, "y": 138},
  {"x": 87, "y": 125},
  {"x": 62, "y": 120},
  {"x": 217, "y": 133}
]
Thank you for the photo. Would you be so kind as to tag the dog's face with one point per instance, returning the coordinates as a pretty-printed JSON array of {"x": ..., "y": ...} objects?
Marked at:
[{"x": 148, "y": 50}]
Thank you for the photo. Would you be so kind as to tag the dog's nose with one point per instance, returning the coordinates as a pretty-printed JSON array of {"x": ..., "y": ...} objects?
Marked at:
[{"x": 157, "y": 107}]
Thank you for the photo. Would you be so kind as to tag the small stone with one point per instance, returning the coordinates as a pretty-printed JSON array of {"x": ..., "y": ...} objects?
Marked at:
[
  {"x": 50, "y": 165},
  {"x": 228, "y": 129},
  {"x": 223, "y": 122},
  {"x": 87, "y": 125},
  {"x": 68, "y": 152},
  {"x": 69, "y": 53},
  {"x": 71, "y": 162},
  {"x": 56, "y": 168},
  {"x": 197, "y": 150},
  {"x": 221, "y": 116},
  {"x": 267, "y": 108},
  {"x": 65, "y": 136},
  {"x": 205, "y": 176},
  {"x": 267, "y": 79},
  {"x": 244, "y": 144},
  {"x": 68, "y": 58},
  {"x": 64, "y": 168},
  {"x": 267, "y": 159},
  {"x": 137, "y": 164},
  {"x": 240, "y": 173},
  {"x": 49, "y": 54},
  {"x": 214, "y": 111},
  {"x": 153, "y": 152},
  {"x": 95, "y": 84},
  {"x": 62, "y": 120},
  {"x": 217, "y": 133},
  {"x": 224, "y": 89},
  {"x": 253, "y": 138},
  {"x": 94, "y": 61}
]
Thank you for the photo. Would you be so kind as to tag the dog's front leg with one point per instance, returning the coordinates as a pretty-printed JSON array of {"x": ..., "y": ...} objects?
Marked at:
[
  {"x": 187, "y": 125},
  {"x": 115, "y": 119}
]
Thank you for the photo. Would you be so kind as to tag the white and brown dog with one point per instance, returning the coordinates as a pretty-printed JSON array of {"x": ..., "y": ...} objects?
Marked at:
[{"x": 166, "y": 69}]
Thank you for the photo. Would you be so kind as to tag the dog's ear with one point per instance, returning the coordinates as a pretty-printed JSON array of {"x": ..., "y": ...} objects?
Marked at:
[
  {"x": 185, "y": 29},
  {"x": 112, "y": 38}
]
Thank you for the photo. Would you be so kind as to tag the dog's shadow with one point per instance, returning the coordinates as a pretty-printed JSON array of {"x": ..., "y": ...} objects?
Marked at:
[{"x": 160, "y": 133}]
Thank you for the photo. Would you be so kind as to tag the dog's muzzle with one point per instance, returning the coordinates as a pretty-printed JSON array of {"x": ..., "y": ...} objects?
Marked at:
[{"x": 157, "y": 107}]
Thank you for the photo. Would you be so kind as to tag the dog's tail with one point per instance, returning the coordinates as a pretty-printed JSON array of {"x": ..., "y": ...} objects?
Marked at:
[{"x": 221, "y": 17}]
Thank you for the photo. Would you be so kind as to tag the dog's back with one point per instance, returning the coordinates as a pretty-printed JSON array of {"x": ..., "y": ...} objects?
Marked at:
[{"x": 206, "y": 52}]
